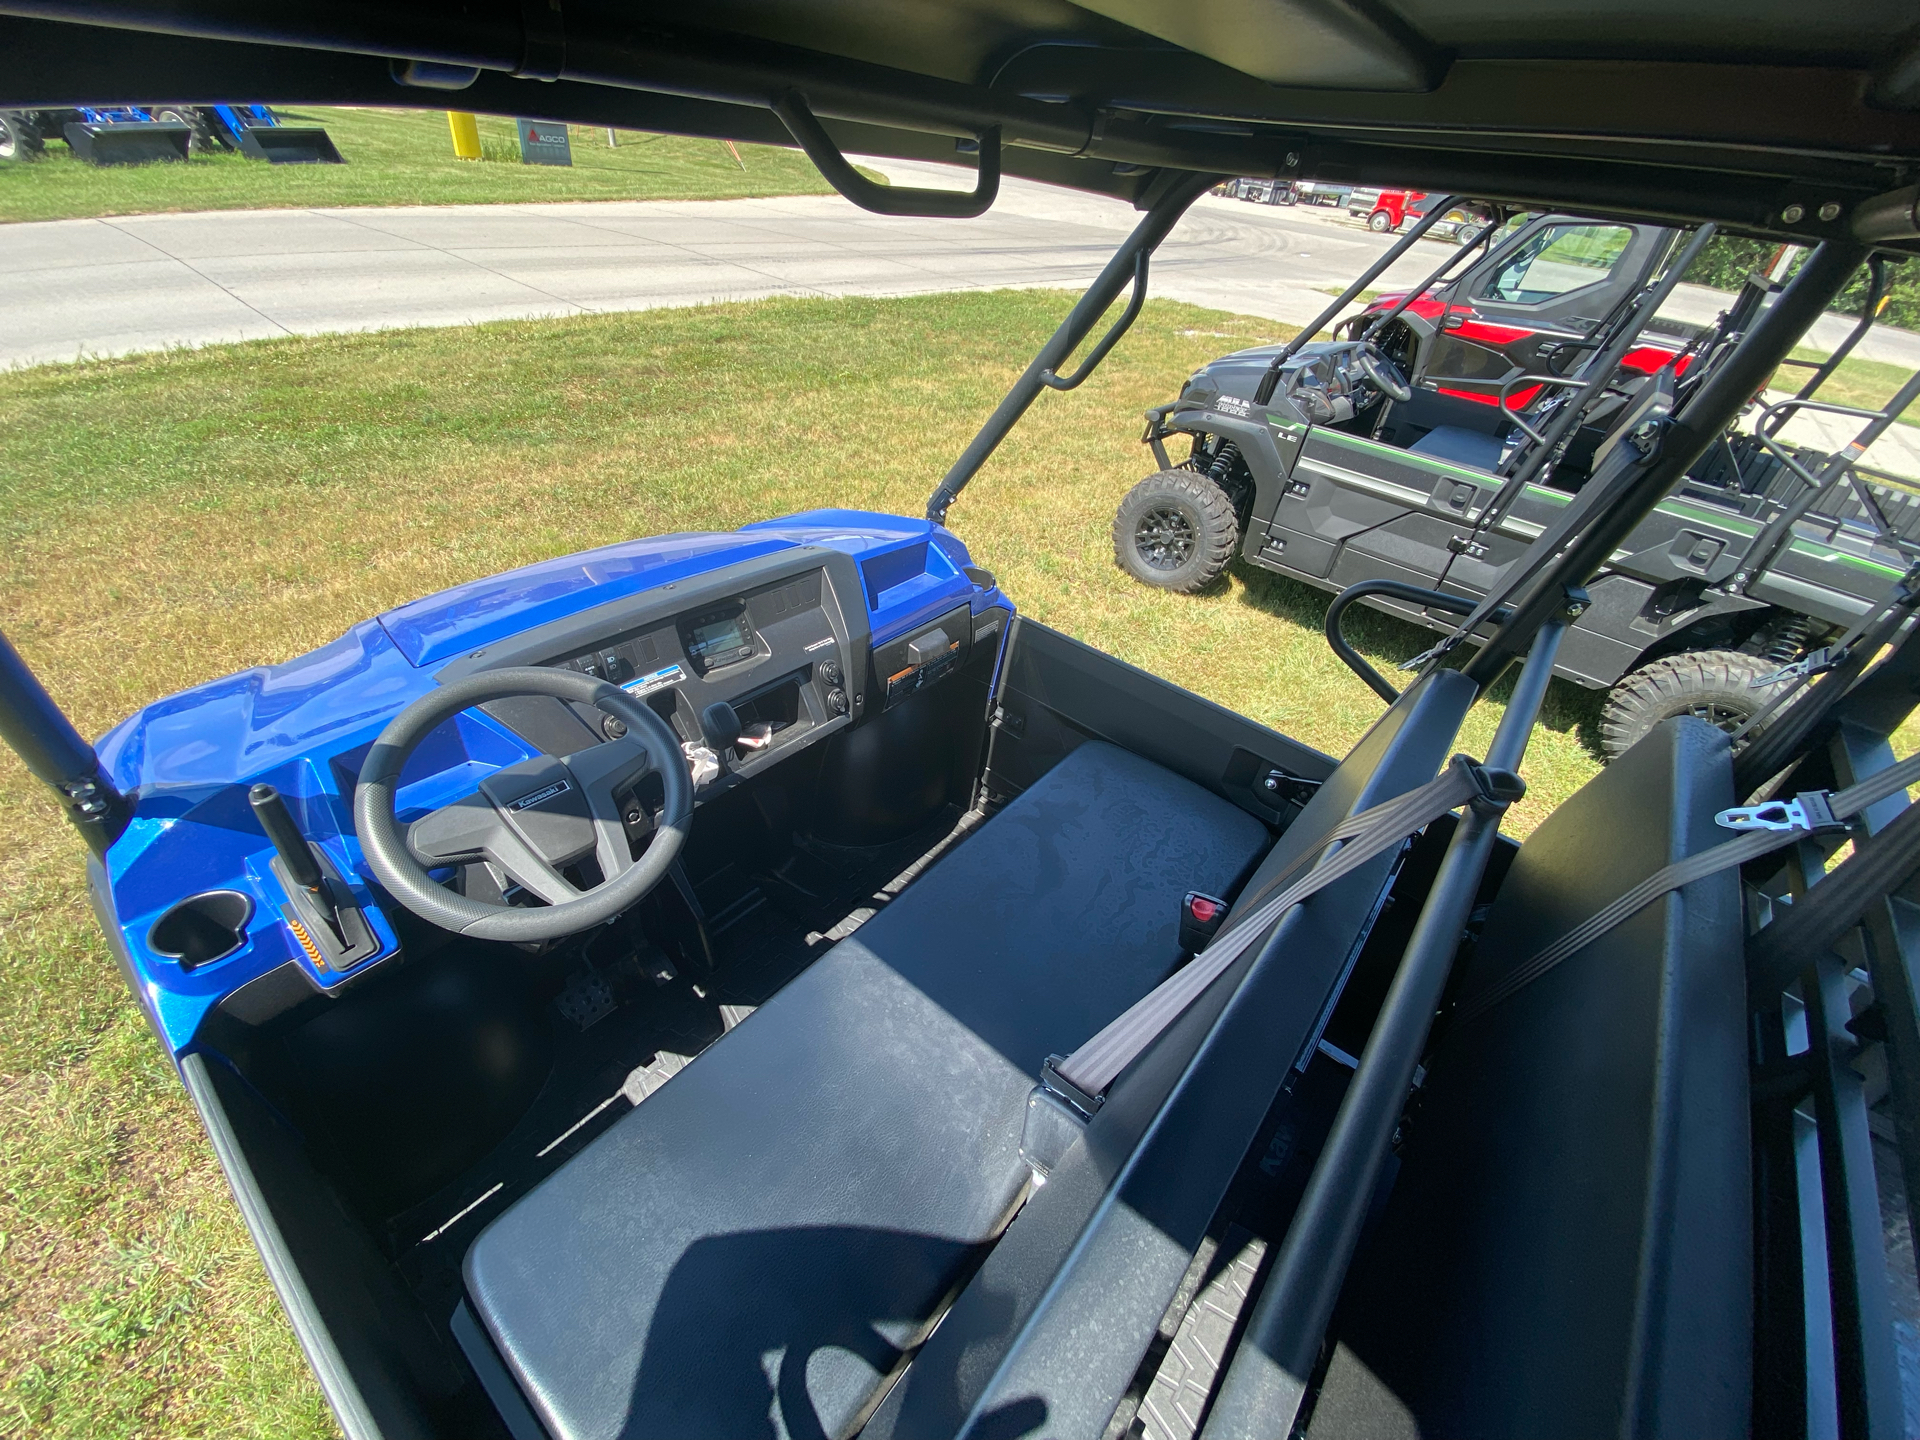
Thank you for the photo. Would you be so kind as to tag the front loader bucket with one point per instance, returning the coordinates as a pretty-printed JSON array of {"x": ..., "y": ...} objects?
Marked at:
[
  {"x": 129, "y": 144},
  {"x": 290, "y": 145}
]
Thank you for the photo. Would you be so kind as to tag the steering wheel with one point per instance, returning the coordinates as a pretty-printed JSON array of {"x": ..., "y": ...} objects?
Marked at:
[
  {"x": 1386, "y": 376},
  {"x": 532, "y": 819}
]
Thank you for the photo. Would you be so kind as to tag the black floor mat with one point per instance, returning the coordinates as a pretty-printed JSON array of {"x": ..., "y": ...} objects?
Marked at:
[{"x": 787, "y": 918}]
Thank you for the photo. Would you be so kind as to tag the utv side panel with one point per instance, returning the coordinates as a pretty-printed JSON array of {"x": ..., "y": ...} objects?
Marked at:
[
  {"x": 1055, "y": 693},
  {"x": 1356, "y": 509},
  {"x": 370, "y": 1348}
]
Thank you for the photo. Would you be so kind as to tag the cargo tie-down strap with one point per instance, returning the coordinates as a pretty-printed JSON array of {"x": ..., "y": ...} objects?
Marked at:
[
  {"x": 1769, "y": 827},
  {"x": 1081, "y": 1079}
]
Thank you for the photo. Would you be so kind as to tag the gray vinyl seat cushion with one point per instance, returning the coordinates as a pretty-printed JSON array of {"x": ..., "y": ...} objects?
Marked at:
[
  {"x": 753, "y": 1249},
  {"x": 1462, "y": 446}
]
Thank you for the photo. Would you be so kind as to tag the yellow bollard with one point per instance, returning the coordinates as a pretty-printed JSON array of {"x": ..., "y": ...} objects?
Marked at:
[{"x": 466, "y": 135}]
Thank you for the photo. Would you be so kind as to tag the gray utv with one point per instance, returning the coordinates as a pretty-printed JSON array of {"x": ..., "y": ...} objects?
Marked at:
[{"x": 1412, "y": 452}]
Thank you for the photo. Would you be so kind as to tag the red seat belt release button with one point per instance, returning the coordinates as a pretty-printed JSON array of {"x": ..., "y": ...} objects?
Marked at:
[{"x": 1200, "y": 917}]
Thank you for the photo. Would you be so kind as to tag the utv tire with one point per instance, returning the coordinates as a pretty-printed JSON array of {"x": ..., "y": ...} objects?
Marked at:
[
  {"x": 1176, "y": 530},
  {"x": 19, "y": 136},
  {"x": 1714, "y": 685},
  {"x": 1379, "y": 222}
]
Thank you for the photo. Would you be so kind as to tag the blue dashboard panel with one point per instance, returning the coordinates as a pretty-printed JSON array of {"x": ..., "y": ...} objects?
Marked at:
[
  {"x": 303, "y": 726},
  {"x": 913, "y": 569},
  {"x": 439, "y": 627}
]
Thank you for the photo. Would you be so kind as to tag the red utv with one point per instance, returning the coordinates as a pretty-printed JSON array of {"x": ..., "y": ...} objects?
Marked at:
[{"x": 1536, "y": 310}]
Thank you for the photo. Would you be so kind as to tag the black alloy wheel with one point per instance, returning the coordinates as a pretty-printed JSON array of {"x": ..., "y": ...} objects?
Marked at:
[
  {"x": 1164, "y": 537},
  {"x": 1175, "y": 531}
]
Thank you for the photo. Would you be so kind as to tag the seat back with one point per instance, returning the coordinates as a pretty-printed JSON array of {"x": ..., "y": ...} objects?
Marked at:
[{"x": 1567, "y": 1247}]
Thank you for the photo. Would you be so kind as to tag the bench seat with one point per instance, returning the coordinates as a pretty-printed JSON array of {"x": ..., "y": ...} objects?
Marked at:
[{"x": 775, "y": 1228}]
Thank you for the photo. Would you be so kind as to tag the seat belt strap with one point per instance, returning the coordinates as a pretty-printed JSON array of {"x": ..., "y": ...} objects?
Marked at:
[
  {"x": 1769, "y": 827},
  {"x": 1081, "y": 1079}
]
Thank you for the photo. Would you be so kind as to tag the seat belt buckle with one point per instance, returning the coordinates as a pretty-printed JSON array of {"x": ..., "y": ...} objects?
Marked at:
[
  {"x": 1051, "y": 1127},
  {"x": 1057, "y": 1114},
  {"x": 1057, "y": 1085},
  {"x": 1200, "y": 920},
  {"x": 1810, "y": 811}
]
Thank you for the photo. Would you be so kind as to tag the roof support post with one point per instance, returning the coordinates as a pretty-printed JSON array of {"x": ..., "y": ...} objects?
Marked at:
[
  {"x": 1266, "y": 1382},
  {"x": 40, "y": 734},
  {"x": 1160, "y": 218}
]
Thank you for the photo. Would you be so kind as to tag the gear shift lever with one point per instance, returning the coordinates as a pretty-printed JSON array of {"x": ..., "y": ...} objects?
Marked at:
[{"x": 720, "y": 723}]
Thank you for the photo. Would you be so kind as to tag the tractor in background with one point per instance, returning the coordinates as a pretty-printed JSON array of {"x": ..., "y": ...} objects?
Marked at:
[{"x": 138, "y": 135}]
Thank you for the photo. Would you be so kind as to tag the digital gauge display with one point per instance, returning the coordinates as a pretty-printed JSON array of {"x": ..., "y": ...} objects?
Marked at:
[{"x": 719, "y": 640}]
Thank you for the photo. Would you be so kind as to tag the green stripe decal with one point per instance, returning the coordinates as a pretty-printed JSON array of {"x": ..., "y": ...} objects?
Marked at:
[{"x": 1737, "y": 524}]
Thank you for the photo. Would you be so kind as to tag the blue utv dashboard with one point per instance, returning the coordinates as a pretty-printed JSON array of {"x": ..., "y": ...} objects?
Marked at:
[{"x": 805, "y": 624}]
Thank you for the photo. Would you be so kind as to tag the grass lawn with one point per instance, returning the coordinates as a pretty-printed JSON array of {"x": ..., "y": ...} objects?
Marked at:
[
  {"x": 171, "y": 518},
  {"x": 405, "y": 157},
  {"x": 1868, "y": 384}
]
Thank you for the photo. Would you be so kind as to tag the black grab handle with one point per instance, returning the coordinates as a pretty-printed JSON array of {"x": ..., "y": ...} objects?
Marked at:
[
  {"x": 1355, "y": 661},
  {"x": 1111, "y": 338},
  {"x": 811, "y": 136}
]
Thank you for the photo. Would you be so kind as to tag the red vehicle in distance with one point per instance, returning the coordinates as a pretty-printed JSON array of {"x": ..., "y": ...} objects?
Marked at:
[
  {"x": 1477, "y": 340},
  {"x": 1384, "y": 210}
]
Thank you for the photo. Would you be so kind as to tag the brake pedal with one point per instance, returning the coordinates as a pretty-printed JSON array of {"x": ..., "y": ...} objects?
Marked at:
[{"x": 587, "y": 998}]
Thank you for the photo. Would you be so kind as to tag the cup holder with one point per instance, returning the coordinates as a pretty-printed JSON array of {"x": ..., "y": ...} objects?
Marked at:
[{"x": 202, "y": 928}]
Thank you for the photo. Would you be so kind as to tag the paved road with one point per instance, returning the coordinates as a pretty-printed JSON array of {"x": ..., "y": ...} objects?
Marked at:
[{"x": 106, "y": 287}]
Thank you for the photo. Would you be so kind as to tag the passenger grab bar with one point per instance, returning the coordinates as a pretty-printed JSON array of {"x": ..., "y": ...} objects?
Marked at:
[
  {"x": 1111, "y": 338},
  {"x": 1506, "y": 391},
  {"x": 1124, "y": 266},
  {"x": 1399, "y": 590},
  {"x": 811, "y": 136}
]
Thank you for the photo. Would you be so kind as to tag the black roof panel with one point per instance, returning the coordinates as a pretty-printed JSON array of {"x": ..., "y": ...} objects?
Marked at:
[{"x": 1764, "y": 115}]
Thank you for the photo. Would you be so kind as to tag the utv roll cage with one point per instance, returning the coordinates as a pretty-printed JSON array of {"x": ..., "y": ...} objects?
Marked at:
[{"x": 1846, "y": 979}]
